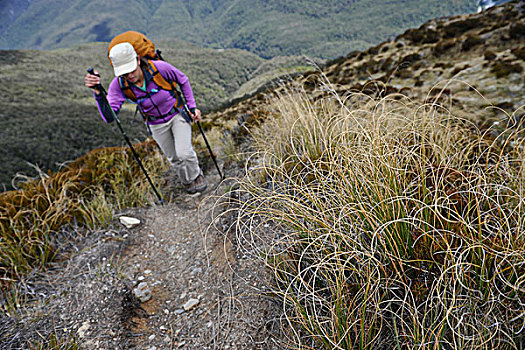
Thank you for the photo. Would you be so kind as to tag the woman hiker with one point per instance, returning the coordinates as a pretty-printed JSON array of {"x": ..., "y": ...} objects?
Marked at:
[{"x": 168, "y": 127}]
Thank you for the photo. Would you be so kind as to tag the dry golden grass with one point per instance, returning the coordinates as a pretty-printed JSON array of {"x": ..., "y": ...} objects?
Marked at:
[
  {"x": 87, "y": 192},
  {"x": 388, "y": 224}
]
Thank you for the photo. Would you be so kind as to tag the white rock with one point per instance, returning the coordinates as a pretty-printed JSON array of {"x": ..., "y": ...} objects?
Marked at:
[
  {"x": 142, "y": 292},
  {"x": 190, "y": 304},
  {"x": 129, "y": 222},
  {"x": 90, "y": 344},
  {"x": 83, "y": 329}
]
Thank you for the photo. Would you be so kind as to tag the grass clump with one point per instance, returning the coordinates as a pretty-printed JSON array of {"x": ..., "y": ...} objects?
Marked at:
[
  {"x": 87, "y": 192},
  {"x": 56, "y": 343},
  {"x": 393, "y": 225}
]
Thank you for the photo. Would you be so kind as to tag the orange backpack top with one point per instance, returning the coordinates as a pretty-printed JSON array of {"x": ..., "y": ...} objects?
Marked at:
[
  {"x": 142, "y": 45},
  {"x": 146, "y": 50}
]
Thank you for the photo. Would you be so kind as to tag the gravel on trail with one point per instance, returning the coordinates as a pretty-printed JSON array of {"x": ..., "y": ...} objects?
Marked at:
[{"x": 175, "y": 280}]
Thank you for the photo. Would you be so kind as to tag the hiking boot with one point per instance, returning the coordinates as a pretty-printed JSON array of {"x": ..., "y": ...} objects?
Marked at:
[
  {"x": 190, "y": 188},
  {"x": 200, "y": 183},
  {"x": 197, "y": 185}
]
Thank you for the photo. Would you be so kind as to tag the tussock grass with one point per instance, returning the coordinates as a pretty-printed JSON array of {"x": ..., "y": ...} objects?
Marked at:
[
  {"x": 87, "y": 192},
  {"x": 56, "y": 343},
  {"x": 388, "y": 224}
]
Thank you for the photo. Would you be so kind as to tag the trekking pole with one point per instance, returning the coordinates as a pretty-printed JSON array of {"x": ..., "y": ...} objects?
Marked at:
[
  {"x": 137, "y": 158},
  {"x": 206, "y": 141}
]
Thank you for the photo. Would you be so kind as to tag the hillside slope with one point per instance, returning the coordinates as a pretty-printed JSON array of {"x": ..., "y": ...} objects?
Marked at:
[
  {"x": 183, "y": 249},
  {"x": 470, "y": 63},
  {"x": 318, "y": 28},
  {"x": 48, "y": 116}
]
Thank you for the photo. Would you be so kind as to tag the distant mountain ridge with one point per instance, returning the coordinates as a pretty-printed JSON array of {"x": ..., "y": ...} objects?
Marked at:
[{"x": 268, "y": 28}]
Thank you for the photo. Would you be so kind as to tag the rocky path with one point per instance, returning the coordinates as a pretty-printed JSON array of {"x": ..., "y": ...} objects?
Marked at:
[
  {"x": 202, "y": 292},
  {"x": 204, "y": 295}
]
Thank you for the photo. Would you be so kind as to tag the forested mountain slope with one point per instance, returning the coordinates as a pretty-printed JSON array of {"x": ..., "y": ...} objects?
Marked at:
[{"x": 268, "y": 28}]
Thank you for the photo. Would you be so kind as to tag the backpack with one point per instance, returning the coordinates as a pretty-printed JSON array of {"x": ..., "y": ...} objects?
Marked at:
[
  {"x": 142, "y": 45},
  {"x": 146, "y": 50}
]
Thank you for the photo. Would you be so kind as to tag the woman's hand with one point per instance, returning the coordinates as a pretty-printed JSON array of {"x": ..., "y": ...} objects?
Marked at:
[
  {"x": 91, "y": 81},
  {"x": 197, "y": 115}
]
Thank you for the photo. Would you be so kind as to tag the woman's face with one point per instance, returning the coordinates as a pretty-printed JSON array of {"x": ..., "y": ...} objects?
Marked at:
[{"x": 135, "y": 76}]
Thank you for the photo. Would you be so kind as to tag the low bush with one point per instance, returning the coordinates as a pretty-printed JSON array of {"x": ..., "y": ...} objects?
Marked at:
[
  {"x": 503, "y": 68},
  {"x": 471, "y": 41}
]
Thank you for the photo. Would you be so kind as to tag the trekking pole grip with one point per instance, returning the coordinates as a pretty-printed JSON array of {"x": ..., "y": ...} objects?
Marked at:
[{"x": 98, "y": 86}]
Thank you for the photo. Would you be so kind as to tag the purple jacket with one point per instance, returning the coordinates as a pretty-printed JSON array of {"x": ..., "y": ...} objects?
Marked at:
[{"x": 161, "y": 100}]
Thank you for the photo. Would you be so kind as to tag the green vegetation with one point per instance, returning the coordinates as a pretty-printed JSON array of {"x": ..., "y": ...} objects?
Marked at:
[
  {"x": 317, "y": 28},
  {"x": 388, "y": 224},
  {"x": 502, "y": 68},
  {"x": 56, "y": 343}
]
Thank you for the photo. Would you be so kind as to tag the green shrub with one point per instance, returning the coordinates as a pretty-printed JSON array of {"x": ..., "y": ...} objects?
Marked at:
[
  {"x": 489, "y": 55},
  {"x": 443, "y": 46},
  {"x": 457, "y": 28},
  {"x": 517, "y": 30},
  {"x": 471, "y": 41},
  {"x": 504, "y": 68},
  {"x": 519, "y": 52}
]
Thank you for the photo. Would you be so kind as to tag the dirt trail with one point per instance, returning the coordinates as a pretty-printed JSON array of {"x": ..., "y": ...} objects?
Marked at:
[
  {"x": 182, "y": 258},
  {"x": 87, "y": 293}
]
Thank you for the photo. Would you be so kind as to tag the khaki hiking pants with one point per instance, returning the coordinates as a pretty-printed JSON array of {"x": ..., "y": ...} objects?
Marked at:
[{"x": 174, "y": 139}]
